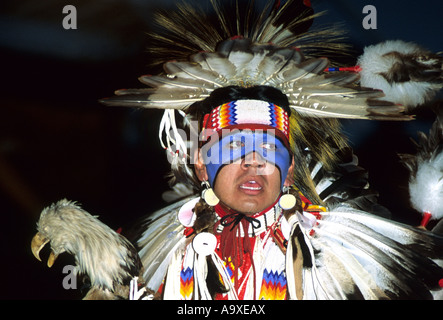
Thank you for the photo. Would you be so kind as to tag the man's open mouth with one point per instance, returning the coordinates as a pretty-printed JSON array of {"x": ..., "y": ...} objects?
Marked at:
[{"x": 251, "y": 185}]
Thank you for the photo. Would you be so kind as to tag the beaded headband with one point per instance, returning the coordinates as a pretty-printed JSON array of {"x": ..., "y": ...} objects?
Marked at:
[{"x": 247, "y": 114}]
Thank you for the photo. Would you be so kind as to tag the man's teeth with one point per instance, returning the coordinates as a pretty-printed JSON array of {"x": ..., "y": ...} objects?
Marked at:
[{"x": 251, "y": 185}]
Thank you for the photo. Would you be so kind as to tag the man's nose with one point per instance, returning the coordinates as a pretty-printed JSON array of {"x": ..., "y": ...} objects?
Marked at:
[{"x": 253, "y": 160}]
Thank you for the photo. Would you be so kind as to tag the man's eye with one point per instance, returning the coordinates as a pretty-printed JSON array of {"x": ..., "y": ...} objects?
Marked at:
[
  {"x": 269, "y": 146},
  {"x": 236, "y": 144}
]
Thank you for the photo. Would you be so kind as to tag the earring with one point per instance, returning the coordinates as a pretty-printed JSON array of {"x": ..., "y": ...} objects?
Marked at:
[
  {"x": 208, "y": 194},
  {"x": 287, "y": 201}
]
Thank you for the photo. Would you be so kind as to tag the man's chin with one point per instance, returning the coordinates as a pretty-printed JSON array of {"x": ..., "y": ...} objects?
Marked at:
[{"x": 248, "y": 208}]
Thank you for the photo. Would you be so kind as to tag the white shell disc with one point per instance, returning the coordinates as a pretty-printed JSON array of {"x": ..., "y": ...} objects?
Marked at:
[
  {"x": 204, "y": 243},
  {"x": 287, "y": 201},
  {"x": 210, "y": 197}
]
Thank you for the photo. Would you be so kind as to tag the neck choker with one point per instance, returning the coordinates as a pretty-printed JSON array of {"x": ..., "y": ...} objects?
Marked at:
[{"x": 258, "y": 223}]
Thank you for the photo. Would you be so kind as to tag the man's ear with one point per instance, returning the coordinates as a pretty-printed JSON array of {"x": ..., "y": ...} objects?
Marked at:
[
  {"x": 200, "y": 168},
  {"x": 289, "y": 180}
]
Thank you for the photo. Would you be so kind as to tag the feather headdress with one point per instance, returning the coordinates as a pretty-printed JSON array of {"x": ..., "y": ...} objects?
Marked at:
[{"x": 258, "y": 48}]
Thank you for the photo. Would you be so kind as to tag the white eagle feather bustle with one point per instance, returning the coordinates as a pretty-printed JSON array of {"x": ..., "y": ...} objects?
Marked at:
[{"x": 358, "y": 255}]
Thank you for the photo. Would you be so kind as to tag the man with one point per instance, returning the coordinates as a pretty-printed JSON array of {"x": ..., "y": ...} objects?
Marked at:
[
  {"x": 278, "y": 207},
  {"x": 247, "y": 160},
  {"x": 258, "y": 245},
  {"x": 262, "y": 162}
]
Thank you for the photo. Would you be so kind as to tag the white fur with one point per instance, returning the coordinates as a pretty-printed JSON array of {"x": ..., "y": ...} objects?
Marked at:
[
  {"x": 426, "y": 188},
  {"x": 409, "y": 93}
]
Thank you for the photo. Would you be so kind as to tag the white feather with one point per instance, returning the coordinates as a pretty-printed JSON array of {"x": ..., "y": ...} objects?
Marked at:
[
  {"x": 357, "y": 271},
  {"x": 215, "y": 62},
  {"x": 426, "y": 188},
  {"x": 158, "y": 243},
  {"x": 186, "y": 70}
]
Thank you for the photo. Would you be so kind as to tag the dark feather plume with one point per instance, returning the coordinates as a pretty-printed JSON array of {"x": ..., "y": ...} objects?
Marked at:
[{"x": 193, "y": 28}]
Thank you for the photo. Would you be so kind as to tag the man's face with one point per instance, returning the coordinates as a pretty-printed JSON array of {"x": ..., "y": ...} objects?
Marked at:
[
  {"x": 235, "y": 144},
  {"x": 249, "y": 185},
  {"x": 244, "y": 169}
]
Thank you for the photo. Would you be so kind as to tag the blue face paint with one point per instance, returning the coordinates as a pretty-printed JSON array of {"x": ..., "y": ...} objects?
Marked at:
[{"x": 238, "y": 144}]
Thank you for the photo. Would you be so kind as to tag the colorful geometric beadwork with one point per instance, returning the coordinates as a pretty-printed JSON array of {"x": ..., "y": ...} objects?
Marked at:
[
  {"x": 273, "y": 286},
  {"x": 186, "y": 283},
  {"x": 256, "y": 113}
]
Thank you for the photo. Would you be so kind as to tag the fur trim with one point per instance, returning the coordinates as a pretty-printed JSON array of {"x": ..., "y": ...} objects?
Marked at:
[
  {"x": 426, "y": 188},
  {"x": 406, "y": 73},
  {"x": 426, "y": 170}
]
